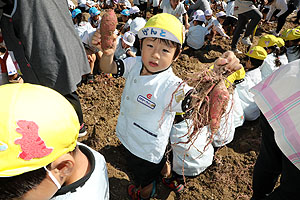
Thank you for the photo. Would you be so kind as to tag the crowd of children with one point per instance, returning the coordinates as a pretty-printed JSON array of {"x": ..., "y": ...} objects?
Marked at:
[{"x": 154, "y": 103}]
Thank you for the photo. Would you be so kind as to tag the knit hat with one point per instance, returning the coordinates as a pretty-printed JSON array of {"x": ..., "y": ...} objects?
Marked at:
[
  {"x": 164, "y": 26},
  {"x": 128, "y": 38},
  {"x": 125, "y": 12},
  {"x": 257, "y": 52},
  {"x": 75, "y": 12},
  {"x": 134, "y": 10},
  {"x": 208, "y": 12},
  {"x": 267, "y": 41},
  {"x": 94, "y": 11},
  {"x": 37, "y": 126}
]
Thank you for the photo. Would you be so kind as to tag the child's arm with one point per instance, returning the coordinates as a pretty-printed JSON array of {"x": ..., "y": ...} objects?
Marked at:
[
  {"x": 107, "y": 64},
  {"x": 186, "y": 21}
]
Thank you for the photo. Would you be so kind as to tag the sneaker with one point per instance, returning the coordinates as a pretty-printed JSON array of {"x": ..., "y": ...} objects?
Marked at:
[
  {"x": 90, "y": 78},
  {"x": 82, "y": 131},
  {"x": 246, "y": 41},
  {"x": 173, "y": 184},
  {"x": 133, "y": 192},
  {"x": 235, "y": 50}
]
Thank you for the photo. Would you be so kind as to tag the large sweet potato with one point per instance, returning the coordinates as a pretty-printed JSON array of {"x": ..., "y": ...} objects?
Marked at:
[
  {"x": 108, "y": 25},
  {"x": 219, "y": 98}
]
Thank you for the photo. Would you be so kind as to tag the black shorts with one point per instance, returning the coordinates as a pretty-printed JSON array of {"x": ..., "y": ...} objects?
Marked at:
[{"x": 144, "y": 172}]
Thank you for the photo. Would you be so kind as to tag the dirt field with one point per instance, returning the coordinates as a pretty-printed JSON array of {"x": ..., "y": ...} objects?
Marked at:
[{"x": 230, "y": 175}]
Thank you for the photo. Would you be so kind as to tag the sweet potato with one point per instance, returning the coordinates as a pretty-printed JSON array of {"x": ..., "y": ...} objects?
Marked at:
[
  {"x": 219, "y": 98},
  {"x": 108, "y": 25}
]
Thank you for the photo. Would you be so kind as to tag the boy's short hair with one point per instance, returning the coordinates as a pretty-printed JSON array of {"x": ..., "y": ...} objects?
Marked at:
[
  {"x": 164, "y": 26},
  {"x": 38, "y": 125}
]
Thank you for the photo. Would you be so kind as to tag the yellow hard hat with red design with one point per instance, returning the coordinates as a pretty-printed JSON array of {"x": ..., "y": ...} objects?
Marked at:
[{"x": 37, "y": 125}]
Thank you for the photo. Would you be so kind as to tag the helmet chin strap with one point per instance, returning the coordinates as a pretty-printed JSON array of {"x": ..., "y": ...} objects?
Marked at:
[{"x": 153, "y": 73}]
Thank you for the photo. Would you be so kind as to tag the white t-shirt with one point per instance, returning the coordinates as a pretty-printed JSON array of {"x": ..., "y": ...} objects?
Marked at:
[
  {"x": 192, "y": 156},
  {"x": 97, "y": 185},
  {"x": 177, "y": 12},
  {"x": 195, "y": 36},
  {"x": 82, "y": 27},
  {"x": 251, "y": 111},
  {"x": 268, "y": 66},
  {"x": 145, "y": 118}
]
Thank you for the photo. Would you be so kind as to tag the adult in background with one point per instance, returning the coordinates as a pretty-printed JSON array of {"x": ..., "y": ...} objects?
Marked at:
[
  {"x": 245, "y": 10},
  {"x": 277, "y": 98},
  {"x": 292, "y": 5},
  {"x": 47, "y": 48}
]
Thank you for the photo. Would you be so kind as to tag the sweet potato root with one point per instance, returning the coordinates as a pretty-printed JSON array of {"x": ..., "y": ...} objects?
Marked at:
[
  {"x": 219, "y": 98},
  {"x": 108, "y": 25}
]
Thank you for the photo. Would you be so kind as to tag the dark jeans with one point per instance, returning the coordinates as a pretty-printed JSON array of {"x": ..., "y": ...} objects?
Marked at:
[
  {"x": 74, "y": 100},
  {"x": 282, "y": 18},
  {"x": 271, "y": 163},
  {"x": 254, "y": 16}
]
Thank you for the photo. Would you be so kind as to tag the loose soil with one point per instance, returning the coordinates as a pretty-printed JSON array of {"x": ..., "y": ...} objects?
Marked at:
[{"x": 230, "y": 175}]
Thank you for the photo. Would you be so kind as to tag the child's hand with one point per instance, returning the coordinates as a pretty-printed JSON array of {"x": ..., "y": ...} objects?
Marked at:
[
  {"x": 96, "y": 39},
  {"x": 228, "y": 61}
]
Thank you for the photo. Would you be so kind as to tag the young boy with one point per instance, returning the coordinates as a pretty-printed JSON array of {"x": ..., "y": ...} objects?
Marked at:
[
  {"x": 195, "y": 36},
  {"x": 151, "y": 97},
  {"x": 39, "y": 154},
  {"x": 214, "y": 25},
  {"x": 125, "y": 46},
  {"x": 255, "y": 58},
  {"x": 94, "y": 18}
]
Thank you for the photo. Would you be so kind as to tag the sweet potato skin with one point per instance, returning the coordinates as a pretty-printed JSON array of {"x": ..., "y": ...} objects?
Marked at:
[
  {"x": 219, "y": 98},
  {"x": 108, "y": 25}
]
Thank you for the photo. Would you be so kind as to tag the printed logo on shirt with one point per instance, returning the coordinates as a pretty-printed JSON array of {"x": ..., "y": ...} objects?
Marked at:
[
  {"x": 143, "y": 100},
  {"x": 179, "y": 95}
]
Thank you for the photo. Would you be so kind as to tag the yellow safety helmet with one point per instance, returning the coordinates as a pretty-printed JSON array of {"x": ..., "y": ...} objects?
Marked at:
[
  {"x": 294, "y": 34},
  {"x": 257, "y": 52},
  {"x": 164, "y": 26},
  {"x": 37, "y": 126},
  {"x": 267, "y": 41},
  {"x": 280, "y": 42}
]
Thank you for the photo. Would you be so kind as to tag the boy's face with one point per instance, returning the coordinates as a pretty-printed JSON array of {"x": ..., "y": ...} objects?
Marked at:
[
  {"x": 208, "y": 17},
  {"x": 156, "y": 55},
  {"x": 174, "y": 3},
  {"x": 124, "y": 18},
  {"x": 96, "y": 17}
]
